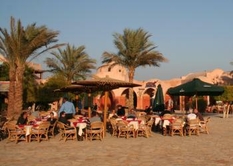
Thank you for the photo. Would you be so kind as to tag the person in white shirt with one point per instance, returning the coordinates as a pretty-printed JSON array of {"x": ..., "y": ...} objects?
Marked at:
[{"x": 191, "y": 115}]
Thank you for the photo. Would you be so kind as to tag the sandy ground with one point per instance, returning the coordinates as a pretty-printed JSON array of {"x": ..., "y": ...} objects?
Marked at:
[{"x": 213, "y": 149}]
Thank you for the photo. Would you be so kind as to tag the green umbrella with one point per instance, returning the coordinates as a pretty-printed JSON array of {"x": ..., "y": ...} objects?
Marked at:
[
  {"x": 196, "y": 87},
  {"x": 158, "y": 104}
]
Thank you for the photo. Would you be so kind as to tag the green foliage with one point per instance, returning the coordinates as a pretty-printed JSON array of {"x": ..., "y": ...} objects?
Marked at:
[
  {"x": 202, "y": 104},
  {"x": 72, "y": 62},
  {"x": 29, "y": 87},
  {"x": 18, "y": 45},
  {"x": 4, "y": 72},
  {"x": 46, "y": 92},
  {"x": 227, "y": 95},
  {"x": 134, "y": 50}
]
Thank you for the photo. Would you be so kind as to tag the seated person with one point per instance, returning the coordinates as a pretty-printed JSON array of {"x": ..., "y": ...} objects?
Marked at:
[
  {"x": 35, "y": 113},
  {"x": 84, "y": 111},
  {"x": 55, "y": 114},
  {"x": 191, "y": 115},
  {"x": 23, "y": 119},
  {"x": 131, "y": 114},
  {"x": 63, "y": 118},
  {"x": 112, "y": 114},
  {"x": 120, "y": 111},
  {"x": 94, "y": 117},
  {"x": 198, "y": 114},
  {"x": 51, "y": 119}
]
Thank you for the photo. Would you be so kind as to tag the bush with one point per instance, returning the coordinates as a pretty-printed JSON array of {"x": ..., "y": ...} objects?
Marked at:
[{"x": 201, "y": 104}]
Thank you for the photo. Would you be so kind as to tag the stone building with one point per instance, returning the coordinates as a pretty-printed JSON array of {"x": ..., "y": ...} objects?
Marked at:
[{"x": 143, "y": 95}]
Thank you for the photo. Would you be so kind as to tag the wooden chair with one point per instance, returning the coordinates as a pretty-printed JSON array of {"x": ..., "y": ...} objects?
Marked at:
[
  {"x": 165, "y": 123},
  {"x": 15, "y": 133},
  {"x": 145, "y": 130},
  {"x": 3, "y": 129},
  {"x": 40, "y": 133},
  {"x": 204, "y": 126},
  {"x": 95, "y": 131},
  {"x": 149, "y": 125},
  {"x": 142, "y": 131},
  {"x": 131, "y": 131},
  {"x": 52, "y": 129},
  {"x": 125, "y": 130},
  {"x": 67, "y": 132},
  {"x": 122, "y": 129},
  {"x": 176, "y": 127},
  {"x": 114, "y": 130},
  {"x": 192, "y": 127}
]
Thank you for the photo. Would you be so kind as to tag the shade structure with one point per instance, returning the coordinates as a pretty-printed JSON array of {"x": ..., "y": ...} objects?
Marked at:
[
  {"x": 196, "y": 87},
  {"x": 79, "y": 89},
  {"x": 158, "y": 104},
  {"x": 105, "y": 84}
]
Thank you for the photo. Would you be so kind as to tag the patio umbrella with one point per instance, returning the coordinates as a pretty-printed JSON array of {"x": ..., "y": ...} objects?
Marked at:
[
  {"x": 79, "y": 89},
  {"x": 196, "y": 87},
  {"x": 158, "y": 104},
  {"x": 105, "y": 84}
]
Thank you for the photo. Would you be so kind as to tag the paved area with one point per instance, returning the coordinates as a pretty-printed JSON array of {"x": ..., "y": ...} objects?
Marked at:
[{"x": 213, "y": 149}]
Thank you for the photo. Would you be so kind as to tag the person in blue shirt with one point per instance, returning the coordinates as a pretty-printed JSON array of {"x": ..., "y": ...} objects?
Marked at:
[{"x": 68, "y": 108}]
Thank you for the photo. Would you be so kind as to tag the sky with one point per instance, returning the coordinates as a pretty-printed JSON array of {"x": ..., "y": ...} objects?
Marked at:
[{"x": 194, "y": 36}]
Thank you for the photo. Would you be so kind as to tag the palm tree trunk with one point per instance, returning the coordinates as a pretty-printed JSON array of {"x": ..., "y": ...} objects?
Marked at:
[
  {"x": 11, "y": 94},
  {"x": 19, "y": 90},
  {"x": 131, "y": 97}
]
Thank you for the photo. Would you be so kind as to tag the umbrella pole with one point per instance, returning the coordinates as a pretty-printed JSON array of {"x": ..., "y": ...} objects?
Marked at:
[
  {"x": 105, "y": 111},
  {"x": 89, "y": 112},
  {"x": 196, "y": 101},
  {"x": 89, "y": 108}
]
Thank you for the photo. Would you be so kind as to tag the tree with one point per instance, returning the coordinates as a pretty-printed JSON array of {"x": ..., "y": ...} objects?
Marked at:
[
  {"x": 30, "y": 87},
  {"x": 72, "y": 63},
  {"x": 4, "y": 72},
  {"x": 19, "y": 46},
  {"x": 46, "y": 92},
  {"x": 227, "y": 94},
  {"x": 134, "y": 50}
]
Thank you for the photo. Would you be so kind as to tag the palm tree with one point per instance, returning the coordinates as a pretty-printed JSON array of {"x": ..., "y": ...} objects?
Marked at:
[
  {"x": 134, "y": 50},
  {"x": 19, "y": 46},
  {"x": 72, "y": 63}
]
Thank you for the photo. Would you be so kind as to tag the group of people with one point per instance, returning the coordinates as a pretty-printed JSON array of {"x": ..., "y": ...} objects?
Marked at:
[
  {"x": 23, "y": 118},
  {"x": 193, "y": 114},
  {"x": 66, "y": 112},
  {"x": 120, "y": 112}
]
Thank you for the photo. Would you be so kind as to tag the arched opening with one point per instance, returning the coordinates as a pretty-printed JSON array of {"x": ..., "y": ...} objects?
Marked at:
[
  {"x": 147, "y": 98},
  {"x": 110, "y": 101},
  {"x": 125, "y": 94}
]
